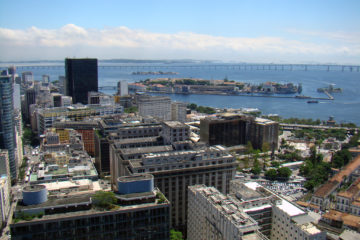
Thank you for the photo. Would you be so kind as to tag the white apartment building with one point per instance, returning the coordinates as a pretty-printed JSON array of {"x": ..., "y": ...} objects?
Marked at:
[
  {"x": 213, "y": 215},
  {"x": 155, "y": 106},
  {"x": 122, "y": 88},
  {"x": 287, "y": 220},
  {"x": 178, "y": 111},
  {"x": 45, "y": 117},
  {"x": 4, "y": 199}
]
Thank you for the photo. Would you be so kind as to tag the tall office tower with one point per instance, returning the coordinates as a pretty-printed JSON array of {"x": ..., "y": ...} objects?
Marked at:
[
  {"x": 30, "y": 98},
  {"x": 56, "y": 99},
  {"x": 62, "y": 80},
  {"x": 264, "y": 131},
  {"x": 27, "y": 77},
  {"x": 7, "y": 125},
  {"x": 12, "y": 70},
  {"x": 122, "y": 88},
  {"x": 234, "y": 129},
  {"x": 155, "y": 106},
  {"x": 213, "y": 215},
  {"x": 81, "y": 78},
  {"x": 178, "y": 111},
  {"x": 16, "y": 96}
]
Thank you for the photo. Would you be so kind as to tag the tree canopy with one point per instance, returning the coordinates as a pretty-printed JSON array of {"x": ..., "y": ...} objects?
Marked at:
[
  {"x": 175, "y": 235},
  {"x": 104, "y": 199}
]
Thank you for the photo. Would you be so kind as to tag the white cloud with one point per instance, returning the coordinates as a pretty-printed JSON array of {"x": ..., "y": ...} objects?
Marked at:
[
  {"x": 352, "y": 37},
  {"x": 122, "y": 42}
]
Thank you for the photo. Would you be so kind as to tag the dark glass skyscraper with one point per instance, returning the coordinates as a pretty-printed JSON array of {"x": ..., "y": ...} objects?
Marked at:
[
  {"x": 7, "y": 127},
  {"x": 81, "y": 78}
]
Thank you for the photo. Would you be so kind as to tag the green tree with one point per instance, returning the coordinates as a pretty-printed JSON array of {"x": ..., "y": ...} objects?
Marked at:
[
  {"x": 192, "y": 106},
  {"x": 341, "y": 158},
  {"x": 249, "y": 148},
  {"x": 256, "y": 168},
  {"x": 271, "y": 174},
  {"x": 29, "y": 137},
  {"x": 265, "y": 147},
  {"x": 131, "y": 109},
  {"x": 175, "y": 235},
  {"x": 104, "y": 199},
  {"x": 284, "y": 172}
]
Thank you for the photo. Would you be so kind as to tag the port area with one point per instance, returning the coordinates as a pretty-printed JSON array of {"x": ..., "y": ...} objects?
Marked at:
[{"x": 329, "y": 96}]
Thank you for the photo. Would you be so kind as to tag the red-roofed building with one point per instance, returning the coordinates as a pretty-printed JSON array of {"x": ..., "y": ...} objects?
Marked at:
[{"x": 350, "y": 172}]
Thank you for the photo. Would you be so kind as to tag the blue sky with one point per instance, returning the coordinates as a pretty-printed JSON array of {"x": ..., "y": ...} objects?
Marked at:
[{"x": 228, "y": 30}]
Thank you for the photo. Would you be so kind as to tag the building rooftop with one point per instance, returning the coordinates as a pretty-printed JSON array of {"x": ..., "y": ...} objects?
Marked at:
[
  {"x": 289, "y": 208},
  {"x": 143, "y": 150},
  {"x": 134, "y": 178},
  {"x": 352, "y": 191},
  {"x": 78, "y": 204},
  {"x": 135, "y": 140},
  {"x": 228, "y": 207},
  {"x": 175, "y": 124},
  {"x": 326, "y": 189},
  {"x": 302, "y": 219},
  {"x": 310, "y": 228},
  {"x": 264, "y": 121},
  {"x": 347, "y": 170},
  {"x": 348, "y": 234},
  {"x": 346, "y": 218}
]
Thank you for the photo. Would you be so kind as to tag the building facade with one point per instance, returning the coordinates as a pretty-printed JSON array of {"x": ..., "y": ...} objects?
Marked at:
[
  {"x": 4, "y": 199},
  {"x": 139, "y": 211},
  {"x": 233, "y": 129},
  {"x": 7, "y": 124},
  {"x": 122, "y": 88},
  {"x": 81, "y": 78},
  {"x": 175, "y": 170},
  {"x": 178, "y": 111},
  {"x": 155, "y": 106},
  {"x": 213, "y": 215}
]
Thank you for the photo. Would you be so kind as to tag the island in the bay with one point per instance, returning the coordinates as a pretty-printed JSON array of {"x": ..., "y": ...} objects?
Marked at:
[
  {"x": 222, "y": 87},
  {"x": 155, "y": 73}
]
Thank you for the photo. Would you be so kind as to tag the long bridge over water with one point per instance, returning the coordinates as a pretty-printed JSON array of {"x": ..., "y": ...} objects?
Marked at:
[{"x": 241, "y": 67}]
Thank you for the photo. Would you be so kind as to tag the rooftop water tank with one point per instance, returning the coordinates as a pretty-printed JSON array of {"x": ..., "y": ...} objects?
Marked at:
[
  {"x": 34, "y": 194},
  {"x": 135, "y": 184}
]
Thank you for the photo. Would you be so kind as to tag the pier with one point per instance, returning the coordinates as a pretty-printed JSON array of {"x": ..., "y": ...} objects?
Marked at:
[{"x": 329, "y": 95}]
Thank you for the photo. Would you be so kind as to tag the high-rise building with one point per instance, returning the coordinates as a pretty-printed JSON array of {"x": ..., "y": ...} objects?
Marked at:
[
  {"x": 62, "y": 83},
  {"x": 4, "y": 162},
  {"x": 122, "y": 88},
  {"x": 16, "y": 96},
  {"x": 27, "y": 77},
  {"x": 45, "y": 78},
  {"x": 4, "y": 199},
  {"x": 7, "y": 125},
  {"x": 234, "y": 129},
  {"x": 155, "y": 106},
  {"x": 175, "y": 170},
  {"x": 81, "y": 78},
  {"x": 30, "y": 98},
  {"x": 178, "y": 111}
]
